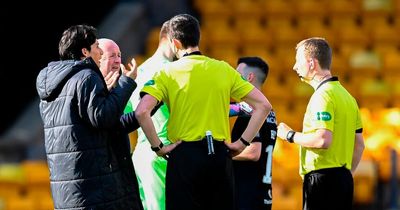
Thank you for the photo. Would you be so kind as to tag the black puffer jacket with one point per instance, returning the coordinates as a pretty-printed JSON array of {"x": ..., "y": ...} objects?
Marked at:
[{"x": 89, "y": 160}]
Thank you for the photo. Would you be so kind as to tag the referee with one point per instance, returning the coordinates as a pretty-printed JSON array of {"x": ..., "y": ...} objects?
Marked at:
[
  {"x": 331, "y": 143},
  {"x": 197, "y": 90}
]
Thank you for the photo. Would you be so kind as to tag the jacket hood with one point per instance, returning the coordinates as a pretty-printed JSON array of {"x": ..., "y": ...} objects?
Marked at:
[{"x": 52, "y": 78}]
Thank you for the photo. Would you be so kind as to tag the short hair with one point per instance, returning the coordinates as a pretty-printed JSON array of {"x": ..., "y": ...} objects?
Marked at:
[
  {"x": 164, "y": 30},
  {"x": 318, "y": 48},
  {"x": 186, "y": 29},
  {"x": 74, "y": 39},
  {"x": 258, "y": 63}
]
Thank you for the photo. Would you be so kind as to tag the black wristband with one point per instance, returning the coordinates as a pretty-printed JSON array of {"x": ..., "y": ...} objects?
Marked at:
[
  {"x": 156, "y": 149},
  {"x": 290, "y": 136},
  {"x": 246, "y": 143}
]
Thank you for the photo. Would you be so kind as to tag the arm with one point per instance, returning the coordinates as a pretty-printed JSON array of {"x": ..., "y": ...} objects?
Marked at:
[
  {"x": 321, "y": 138},
  {"x": 129, "y": 123},
  {"x": 261, "y": 108},
  {"x": 358, "y": 150},
  {"x": 98, "y": 106},
  {"x": 102, "y": 109},
  {"x": 143, "y": 115},
  {"x": 267, "y": 135},
  {"x": 250, "y": 153}
]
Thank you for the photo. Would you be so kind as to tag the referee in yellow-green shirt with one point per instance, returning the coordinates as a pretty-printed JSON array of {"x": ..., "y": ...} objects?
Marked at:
[
  {"x": 197, "y": 91},
  {"x": 331, "y": 143}
]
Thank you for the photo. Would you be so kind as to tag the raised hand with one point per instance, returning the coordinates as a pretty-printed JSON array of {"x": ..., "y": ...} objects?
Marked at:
[
  {"x": 132, "y": 71},
  {"x": 111, "y": 79}
]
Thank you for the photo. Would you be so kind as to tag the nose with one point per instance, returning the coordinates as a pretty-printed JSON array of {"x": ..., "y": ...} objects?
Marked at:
[{"x": 118, "y": 60}]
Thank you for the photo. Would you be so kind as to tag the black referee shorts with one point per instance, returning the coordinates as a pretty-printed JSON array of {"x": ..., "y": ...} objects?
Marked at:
[
  {"x": 198, "y": 181},
  {"x": 328, "y": 189}
]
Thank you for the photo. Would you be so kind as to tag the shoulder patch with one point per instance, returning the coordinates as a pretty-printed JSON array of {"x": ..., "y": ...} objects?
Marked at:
[
  {"x": 324, "y": 116},
  {"x": 150, "y": 82}
]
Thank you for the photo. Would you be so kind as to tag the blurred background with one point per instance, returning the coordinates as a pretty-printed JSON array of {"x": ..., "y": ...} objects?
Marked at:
[{"x": 364, "y": 35}]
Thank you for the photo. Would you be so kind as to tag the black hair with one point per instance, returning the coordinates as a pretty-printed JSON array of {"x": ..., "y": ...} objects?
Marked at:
[
  {"x": 255, "y": 62},
  {"x": 74, "y": 39},
  {"x": 186, "y": 29}
]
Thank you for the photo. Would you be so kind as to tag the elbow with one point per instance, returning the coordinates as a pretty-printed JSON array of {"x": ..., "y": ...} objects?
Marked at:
[
  {"x": 141, "y": 114},
  {"x": 266, "y": 107},
  {"x": 361, "y": 146},
  {"x": 323, "y": 139},
  {"x": 325, "y": 143},
  {"x": 359, "y": 143}
]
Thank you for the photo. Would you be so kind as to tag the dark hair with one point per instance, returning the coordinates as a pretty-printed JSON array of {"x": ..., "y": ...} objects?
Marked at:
[
  {"x": 258, "y": 63},
  {"x": 74, "y": 39},
  {"x": 319, "y": 49},
  {"x": 186, "y": 29}
]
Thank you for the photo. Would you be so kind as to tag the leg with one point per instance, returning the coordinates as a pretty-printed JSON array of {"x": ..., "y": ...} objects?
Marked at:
[{"x": 150, "y": 172}]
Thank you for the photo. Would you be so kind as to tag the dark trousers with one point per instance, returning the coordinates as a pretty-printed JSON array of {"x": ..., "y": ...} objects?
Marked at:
[
  {"x": 198, "y": 181},
  {"x": 328, "y": 189}
]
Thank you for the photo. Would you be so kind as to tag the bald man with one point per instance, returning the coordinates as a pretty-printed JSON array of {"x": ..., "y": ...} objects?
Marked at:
[{"x": 110, "y": 62}]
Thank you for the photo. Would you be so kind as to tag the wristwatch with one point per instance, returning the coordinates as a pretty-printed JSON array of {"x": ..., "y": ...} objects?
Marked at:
[
  {"x": 290, "y": 136},
  {"x": 246, "y": 143},
  {"x": 158, "y": 148}
]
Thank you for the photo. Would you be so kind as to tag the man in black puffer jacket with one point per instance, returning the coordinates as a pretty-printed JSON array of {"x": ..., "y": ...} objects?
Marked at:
[{"x": 85, "y": 135}]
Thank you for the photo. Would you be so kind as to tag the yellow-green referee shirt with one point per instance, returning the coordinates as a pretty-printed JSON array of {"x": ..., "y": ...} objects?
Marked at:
[
  {"x": 333, "y": 108},
  {"x": 197, "y": 91}
]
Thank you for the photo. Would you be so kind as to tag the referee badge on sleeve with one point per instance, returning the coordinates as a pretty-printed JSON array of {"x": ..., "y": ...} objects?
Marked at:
[
  {"x": 324, "y": 116},
  {"x": 150, "y": 82}
]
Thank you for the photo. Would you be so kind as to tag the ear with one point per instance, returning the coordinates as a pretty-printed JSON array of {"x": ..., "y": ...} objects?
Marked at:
[
  {"x": 177, "y": 44},
  {"x": 85, "y": 52},
  {"x": 251, "y": 77},
  {"x": 312, "y": 64}
]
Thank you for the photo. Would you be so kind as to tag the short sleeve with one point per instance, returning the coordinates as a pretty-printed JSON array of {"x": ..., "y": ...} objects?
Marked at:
[
  {"x": 241, "y": 87},
  {"x": 156, "y": 86},
  {"x": 321, "y": 112}
]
